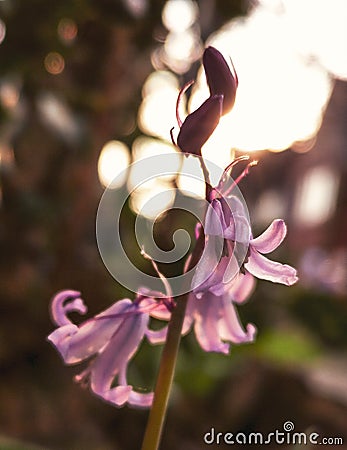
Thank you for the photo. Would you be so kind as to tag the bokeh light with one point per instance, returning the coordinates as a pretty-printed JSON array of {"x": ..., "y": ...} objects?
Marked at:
[
  {"x": 156, "y": 114},
  {"x": 182, "y": 44},
  {"x": 54, "y": 63},
  {"x": 284, "y": 102},
  {"x": 152, "y": 198},
  {"x": 56, "y": 114},
  {"x": 147, "y": 183},
  {"x": 191, "y": 179},
  {"x": 2, "y": 31},
  {"x": 316, "y": 196},
  {"x": 179, "y": 15},
  {"x": 113, "y": 163},
  {"x": 9, "y": 94},
  {"x": 67, "y": 30},
  {"x": 320, "y": 31}
]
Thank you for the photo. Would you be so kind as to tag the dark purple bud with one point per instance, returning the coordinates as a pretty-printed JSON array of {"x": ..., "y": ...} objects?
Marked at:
[
  {"x": 199, "y": 125},
  {"x": 219, "y": 78}
]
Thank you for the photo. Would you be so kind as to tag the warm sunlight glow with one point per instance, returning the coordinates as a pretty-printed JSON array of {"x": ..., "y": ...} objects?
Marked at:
[
  {"x": 145, "y": 149},
  {"x": 309, "y": 18},
  {"x": 179, "y": 15},
  {"x": 152, "y": 198},
  {"x": 157, "y": 111},
  {"x": 113, "y": 162},
  {"x": 316, "y": 196},
  {"x": 191, "y": 179},
  {"x": 181, "y": 49},
  {"x": 282, "y": 94}
]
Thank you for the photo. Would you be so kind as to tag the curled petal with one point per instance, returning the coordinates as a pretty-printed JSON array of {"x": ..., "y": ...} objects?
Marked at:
[
  {"x": 199, "y": 125},
  {"x": 65, "y": 302},
  {"x": 118, "y": 395},
  {"x": 230, "y": 327},
  {"x": 271, "y": 238},
  {"x": 219, "y": 78},
  {"x": 140, "y": 399},
  {"x": 264, "y": 268},
  {"x": 207, "y": 316}
]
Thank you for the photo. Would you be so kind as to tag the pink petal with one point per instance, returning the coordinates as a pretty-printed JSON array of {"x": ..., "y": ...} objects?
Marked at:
[
  {"x": 230, "y": 327},
  {"x": 271, "y": 238},
  {"x": 160, "y": 312},
  {"x": 65, "y": 302},
  {"x": 242, "y": 288},
  {"x": 215, "y": 222},
  {"x": 156, "y": 336},
  {"x": 95, "y": 333},
  {"x": 61, "y": 337},
  {"x": 206, "y": 324},
  {"x": 140, "y": 400},
  {"x": 118, "y": 395},
  {"x": 210, "y": 268},
  {"x": 114, "y": 357},
  {"x": 264, "y": 268}
]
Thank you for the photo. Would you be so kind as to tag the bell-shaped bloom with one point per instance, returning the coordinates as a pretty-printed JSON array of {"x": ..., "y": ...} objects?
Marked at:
[
  {"x": 227, "y": 236},
  {"x": 219, "y": 78},
  {"x": 111, "y": 337},
  {"x": 199, "y": 125},
  {"x": 214, "y": 317},
  {"x": 229, "y": 221}
]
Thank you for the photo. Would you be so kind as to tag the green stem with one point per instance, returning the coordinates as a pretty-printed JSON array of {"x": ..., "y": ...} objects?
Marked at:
[
  {"x": 165, "y": 377},
  {"x": 168, "y": 360}
]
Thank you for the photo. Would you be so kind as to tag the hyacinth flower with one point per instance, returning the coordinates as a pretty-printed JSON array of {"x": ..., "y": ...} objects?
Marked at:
[
  {"x": 226, "y": 259},
  {"x": 226, "y": 216},
  {"x": 111, "y": 337},
  {"x": 213, "y": 317}
]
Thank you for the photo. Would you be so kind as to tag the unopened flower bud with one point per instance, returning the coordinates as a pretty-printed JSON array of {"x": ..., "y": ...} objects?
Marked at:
[
  {"x": 199, "y": 125},
  {"x": 220, "y": 79}
]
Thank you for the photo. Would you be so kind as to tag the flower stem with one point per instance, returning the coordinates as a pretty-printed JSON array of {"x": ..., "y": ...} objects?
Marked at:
[{"x": 165, "y": 377}]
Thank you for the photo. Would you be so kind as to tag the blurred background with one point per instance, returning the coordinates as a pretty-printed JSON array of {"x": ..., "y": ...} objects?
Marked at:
[{"x": 89, "y": 86}]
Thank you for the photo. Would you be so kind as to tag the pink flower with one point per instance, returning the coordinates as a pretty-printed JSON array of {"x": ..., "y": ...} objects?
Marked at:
[
  {"x": 227, "y": 219},
  {"x": 214, "y": 317},
  {"x": 112, "y": 337}
]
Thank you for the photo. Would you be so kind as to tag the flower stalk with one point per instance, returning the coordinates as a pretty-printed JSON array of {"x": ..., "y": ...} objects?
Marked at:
[{"x": 162, "y": 391}]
